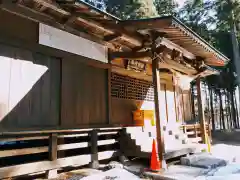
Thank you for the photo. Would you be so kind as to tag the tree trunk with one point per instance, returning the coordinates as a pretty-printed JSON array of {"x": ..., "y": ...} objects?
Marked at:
[
  {"x": 233, "y": 112},
  {"x": 221, "y": 110},
  {"x": 230, "y": 110},
  {"x": 236, "y": 109},
  {"x": 207, "y": 103},
  {"x": 235, "y": 45},
  {"x": 226, "y": 107},
  {"x": 212, "y": 110},
  {"x": 217, "y": 114}
]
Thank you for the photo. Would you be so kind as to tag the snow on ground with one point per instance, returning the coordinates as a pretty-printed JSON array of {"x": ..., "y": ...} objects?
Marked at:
[
  {"x": 227, "y": 151},
  {"x": 113, "y": 174}
]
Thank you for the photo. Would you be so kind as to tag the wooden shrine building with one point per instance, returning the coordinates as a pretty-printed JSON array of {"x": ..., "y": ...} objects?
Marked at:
[{"x": 72, "y": 77}]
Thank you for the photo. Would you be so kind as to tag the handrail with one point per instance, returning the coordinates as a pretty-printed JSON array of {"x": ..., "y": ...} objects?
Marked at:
[
  {"x": 57, "y": 131},
  {"x": 193, "y": 131}
]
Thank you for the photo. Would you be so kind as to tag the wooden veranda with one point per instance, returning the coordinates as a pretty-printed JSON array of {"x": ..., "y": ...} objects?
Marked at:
[{"x": 57, "y": 64}]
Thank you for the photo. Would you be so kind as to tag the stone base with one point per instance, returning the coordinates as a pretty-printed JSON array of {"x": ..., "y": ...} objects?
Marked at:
[{"x": 203, "y": 160}]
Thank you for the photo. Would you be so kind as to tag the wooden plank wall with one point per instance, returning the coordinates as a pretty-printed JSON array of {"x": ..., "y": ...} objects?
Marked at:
[
  {"x": 29, "y": 93},
  {"x": 122, "y": 111},
  {"x": 84, "y": 95},
  {"x": 36, "y": 89},
  {"x": 18, "y": 27}
]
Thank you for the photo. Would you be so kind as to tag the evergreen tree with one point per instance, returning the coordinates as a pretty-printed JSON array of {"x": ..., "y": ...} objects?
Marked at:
[
  {"x": 166, "y": 7},
  {"x": 131, "y": 9},
  {"x": 214, "y": 20}
]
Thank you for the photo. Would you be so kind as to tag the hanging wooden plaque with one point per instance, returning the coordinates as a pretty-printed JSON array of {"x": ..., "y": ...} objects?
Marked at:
[{"x": 136, "y": 66}]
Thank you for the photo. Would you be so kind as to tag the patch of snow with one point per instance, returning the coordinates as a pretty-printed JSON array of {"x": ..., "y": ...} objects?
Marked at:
[{"x": 113, "y": 174}]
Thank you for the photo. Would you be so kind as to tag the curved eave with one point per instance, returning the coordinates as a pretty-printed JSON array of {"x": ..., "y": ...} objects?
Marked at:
[
  {"x": 219, "y": 60},
  {"x": 177, "y": 32}
]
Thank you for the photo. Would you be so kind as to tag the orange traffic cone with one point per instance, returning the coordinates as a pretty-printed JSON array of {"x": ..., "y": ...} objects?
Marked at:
[{"x": 155, "y": 163}]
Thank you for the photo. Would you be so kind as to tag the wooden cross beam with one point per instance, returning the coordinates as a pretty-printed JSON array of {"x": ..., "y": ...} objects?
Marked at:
[
  {"x": 142, "y": 55},
  {"x": 169, "y": 44},
  {"x": 145, "y": 55}
]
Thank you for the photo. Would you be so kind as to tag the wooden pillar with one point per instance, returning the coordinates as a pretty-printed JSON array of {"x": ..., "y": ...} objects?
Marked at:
[
  {"x": 123, "y": 159},
  {"x": 157, "y": 90},
  {"x": 94, "y": 149},
  {"x": 109, "y": 109},
  {"x": 201, "y": 111},
  {"x": 52, "y": 155}
]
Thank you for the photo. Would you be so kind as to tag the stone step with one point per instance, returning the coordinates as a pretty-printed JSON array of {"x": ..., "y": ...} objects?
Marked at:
[
  {"x": 181, "y": 136},
  {"x": 141, "y": 138}
]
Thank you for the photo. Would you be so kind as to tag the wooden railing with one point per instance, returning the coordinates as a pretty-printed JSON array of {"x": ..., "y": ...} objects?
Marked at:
[
  {"x": 194, "y": 133},
  {"x": 24, "y": 153}
]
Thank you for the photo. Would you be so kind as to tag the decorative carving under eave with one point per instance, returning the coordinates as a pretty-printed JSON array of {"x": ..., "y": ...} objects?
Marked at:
[
  {"x": 199, "y": 64},
  {"x": 178, "y": 56}
]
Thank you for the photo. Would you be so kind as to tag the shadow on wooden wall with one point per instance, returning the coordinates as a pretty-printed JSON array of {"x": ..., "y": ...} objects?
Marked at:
[{"x": 30, "y": 89}]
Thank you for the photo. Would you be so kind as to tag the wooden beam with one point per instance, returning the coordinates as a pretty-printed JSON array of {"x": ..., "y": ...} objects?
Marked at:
[
  {"x": 52, "y": 7},
  {"x": 170, "y": 64},
  {"x": 10, "y": 139},
  {"x": 201, "y": 114},
  {"x": 36, "y": 16},
  {"x": 53, "y": 147},
  {"x": 94, "y": 25},
  {"x": 130, "y": 55},
  {"x": 146, "y": 24},
  {"x": 94, "y": 149},
  {"x": 52, "y": 173},
  {"x": 109, "y": 96},
  {"x": 29, "y": 168},
  {"x": 73, "y": 146},
  {"x": 169, "y": 44},
  {"x": 101, "y": 128},
  {"x": 142, "y": 55},
  {"x": 18, "y": 152},
  {"x": 112, "y": 37},
  {"x": 157, "y": 91},
  {"x": 125, "y": 35},
  {"x": 106, "y": 142}
]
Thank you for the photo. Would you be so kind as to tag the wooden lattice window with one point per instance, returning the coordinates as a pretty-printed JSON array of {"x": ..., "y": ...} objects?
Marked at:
[{"x": 130, "y": 88}]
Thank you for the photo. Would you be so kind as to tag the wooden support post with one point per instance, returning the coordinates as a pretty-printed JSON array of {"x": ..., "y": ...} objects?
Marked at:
[
  {"x": 109, "y": 72},
  {"x": 157, "y": 90},
  {"x": 195, "y": 131},
  {"x": 201, "y": 112},
  {"x": 52, "y": 155},
  {"x": 122, "y": 158},
  {"x": 94, "y": 149}
]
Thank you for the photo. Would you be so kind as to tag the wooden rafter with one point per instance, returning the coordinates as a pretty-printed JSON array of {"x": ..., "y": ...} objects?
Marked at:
[
  {"x": 113, "y": 31},
  {"x": 133, "y": 39},
  {"x": 52, "y": 6},
  {"x": 36, "y": 16}
]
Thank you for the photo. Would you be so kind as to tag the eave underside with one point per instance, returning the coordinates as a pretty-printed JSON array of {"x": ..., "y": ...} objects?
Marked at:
[{"x": 120, "y": 36}]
